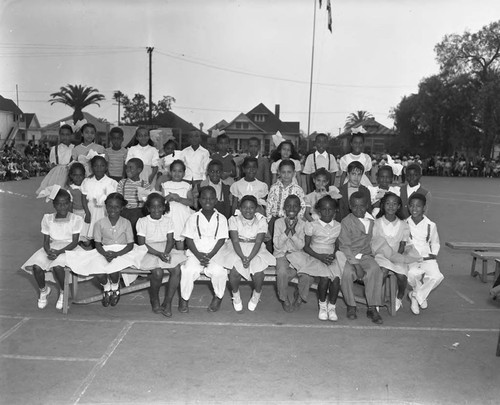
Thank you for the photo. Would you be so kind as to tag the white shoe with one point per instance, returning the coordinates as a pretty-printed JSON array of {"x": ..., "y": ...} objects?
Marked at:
[
  {"x": 237, "y": 303},
  {"x": 323, "y": 312},
  {"x": 424, "y": 305},
  {"x": 414, "y": 303},
  {"x": 60, "y": 301},
  {"x": 252, "y": 304},
  {"x": 399, "y": 304},
  {"x": 332, "y": 315},
  {"x": 42, "y": 300}
]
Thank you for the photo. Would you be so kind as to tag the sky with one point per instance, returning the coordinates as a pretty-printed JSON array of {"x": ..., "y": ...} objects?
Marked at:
[{"x": 219, "y": 58}]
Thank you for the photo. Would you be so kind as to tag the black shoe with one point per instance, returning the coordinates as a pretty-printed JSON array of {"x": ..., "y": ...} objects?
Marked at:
[
  {"x": 155, "y": 305},
  {"x": 215, "y": 304},
  {"x": 115, "y": 297},
  {"x": 373, "y": 314},
  {"x": 106, "y": 298},
  {"x": 183, "y": 306},
  {"x": 166, "y": 309},
  {"x": 297, "y": 302},
  {"x": 351, "y": 313},
  {"x": 287, "y": 306}
]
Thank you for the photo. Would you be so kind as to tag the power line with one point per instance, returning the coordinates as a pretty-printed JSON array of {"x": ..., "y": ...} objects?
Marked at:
[{"x": 187, "y": 59}]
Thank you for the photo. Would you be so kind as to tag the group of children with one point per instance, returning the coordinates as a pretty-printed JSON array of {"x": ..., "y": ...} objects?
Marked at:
[{"x": 187, "y": 214}]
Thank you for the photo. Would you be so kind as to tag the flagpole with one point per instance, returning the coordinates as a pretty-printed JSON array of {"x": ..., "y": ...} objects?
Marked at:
[{"x": 311, "y": 81}]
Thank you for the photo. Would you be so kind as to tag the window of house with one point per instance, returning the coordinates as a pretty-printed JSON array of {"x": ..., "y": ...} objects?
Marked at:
[
  {"x": 259, "y": 117},
  {"x": 267, "y": 145},
  {"x": 242, "y": 125}
]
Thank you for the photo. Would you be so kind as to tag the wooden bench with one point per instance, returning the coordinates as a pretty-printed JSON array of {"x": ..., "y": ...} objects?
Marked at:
[
  {"x": 484, "y": 257},
  {"x": 474, "y": 246},
  {"x": 390, "y": 287}
]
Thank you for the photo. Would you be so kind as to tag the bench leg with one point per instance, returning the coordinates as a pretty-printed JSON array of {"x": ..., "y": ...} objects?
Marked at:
[
  {"x": 473, "y": 272},
  {"x": 484, "y": 275},
  {"x": 497, "y": 270},
  {"x": 393, "y": 292},
  {"x": 74, "y": 286},
  {"x": 67, "y": 275}
]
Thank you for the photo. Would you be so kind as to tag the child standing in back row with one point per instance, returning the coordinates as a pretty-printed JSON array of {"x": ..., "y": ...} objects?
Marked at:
[
  {"x": 285, "y": 151},
  {"x": 357, "y": 147},
  {"x": 423, "y": 276},
  {"x": 116, "y": 154},
  {"x": 263, "y": 168},
  {"x": 80, "y": 152},
  {"x": 320, "y": 159},
  {"x": 222, "y": 155},
  {"x": 144, "y": 150},
  {"x": 196, "y": 159}
]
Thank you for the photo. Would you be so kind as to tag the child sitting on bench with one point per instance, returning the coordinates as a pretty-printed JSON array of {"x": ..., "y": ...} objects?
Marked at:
[
  {"x": 423, "y": 276},
  {"x": 205, "y": 232},
  {"x": 355, "y": 242}
]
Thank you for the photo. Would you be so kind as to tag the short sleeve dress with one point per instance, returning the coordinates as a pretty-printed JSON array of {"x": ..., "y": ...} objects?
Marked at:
[
  {"x": 386, "y": 238},
  {"x": 179, "y": 213},
  {"x": 114, "y": 238},
  {"x": 61, "y": 231},
  {"x": 247, "y": 229},
  {"x": 323, "y": 237},
  {"x": 155, "y": 232}
]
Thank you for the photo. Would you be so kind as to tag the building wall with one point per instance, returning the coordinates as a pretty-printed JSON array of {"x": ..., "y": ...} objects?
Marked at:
[{"x": 6, "y": 123}]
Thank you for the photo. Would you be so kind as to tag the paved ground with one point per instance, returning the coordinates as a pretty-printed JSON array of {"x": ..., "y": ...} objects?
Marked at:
[{"x": 129, "y": 355}]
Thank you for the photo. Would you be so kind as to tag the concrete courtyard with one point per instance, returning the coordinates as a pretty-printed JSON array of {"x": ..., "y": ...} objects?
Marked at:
[{"x": 127, "y": 354}]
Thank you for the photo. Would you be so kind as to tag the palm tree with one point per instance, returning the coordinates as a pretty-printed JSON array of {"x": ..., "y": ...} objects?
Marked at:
[
  {"x": 356, "y": 118},
  {"x": 118, "y": 97},
  {"x": 77, "y": 97}
]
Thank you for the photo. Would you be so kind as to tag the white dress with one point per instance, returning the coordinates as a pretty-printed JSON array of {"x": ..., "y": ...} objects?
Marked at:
[
  {"x": 149, "y": 156},
  {"x": 247, "y": 232},
  {"x": 114, "y": 238},
  {"x": 385, "y": 244},
  {"x": 155, "y": 231},
  {"x": 61, "y": 231},
  {"x": 323, "y": 237},
  {"x": 96, "y": 192},
  {"x": 60, "y": 155},
  {"x": 362, "y": 158},
  {"x": 179, "y": 213}
]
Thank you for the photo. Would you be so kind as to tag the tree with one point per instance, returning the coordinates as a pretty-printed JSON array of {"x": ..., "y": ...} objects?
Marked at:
[
  {"x": 356, "y": 118},
  {"x": 476, "y": 55},
  {"x": 77, "y": 97},
  {"x": 135, "y": 111},
  {"x": 118, "y": 97}
]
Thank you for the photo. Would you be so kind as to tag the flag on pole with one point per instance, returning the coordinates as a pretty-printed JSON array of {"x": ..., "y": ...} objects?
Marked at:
[{"x": 329, "y": 11}]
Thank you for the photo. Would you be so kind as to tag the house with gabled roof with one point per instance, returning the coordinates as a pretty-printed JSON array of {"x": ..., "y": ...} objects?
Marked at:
[
  {"x": 259, "y": 122},
  {"x": 10, "y": 119},
  {"x": 176, "y": 126},
  {"x": 378, "y": 138}
]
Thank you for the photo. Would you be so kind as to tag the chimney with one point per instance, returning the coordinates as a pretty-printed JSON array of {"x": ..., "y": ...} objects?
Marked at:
[{"x": 277, "y": 110}]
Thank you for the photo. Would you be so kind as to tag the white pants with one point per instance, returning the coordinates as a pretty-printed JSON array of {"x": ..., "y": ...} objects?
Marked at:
[
  {"x": 191, "y": 270},
  {"x": 422, "y": 286}
]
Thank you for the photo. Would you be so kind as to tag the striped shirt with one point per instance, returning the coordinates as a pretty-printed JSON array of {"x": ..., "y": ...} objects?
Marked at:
[
  {"x": 128, "y": 188},
  {"x": 116, "y": 161}
]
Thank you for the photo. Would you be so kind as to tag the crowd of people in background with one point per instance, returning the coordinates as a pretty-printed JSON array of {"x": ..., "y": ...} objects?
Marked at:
[{"x": 33, "y": 161}]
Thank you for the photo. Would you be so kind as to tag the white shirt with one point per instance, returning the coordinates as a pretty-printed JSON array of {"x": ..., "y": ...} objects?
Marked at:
[
  {"x": 323, "y": 160},
  {"x": 424, "y": 236},
  {"x": 196, "y": 162},
  {"x": 148, "y": 154},
  {"x": 412, "y": 190},
  {"x": 63, "y": 154},
  {"x": 204, "y": 233}
]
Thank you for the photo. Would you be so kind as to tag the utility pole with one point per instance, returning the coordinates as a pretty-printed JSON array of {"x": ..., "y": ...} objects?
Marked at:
[
  {"x": 17, "y": 95},
  {"x": 150, "y": 52}
]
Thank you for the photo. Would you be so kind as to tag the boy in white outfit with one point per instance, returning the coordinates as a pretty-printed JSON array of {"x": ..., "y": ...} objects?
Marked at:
[
  {"x": 205, "y": 232},
  {"x": 423, "y": 276}
]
